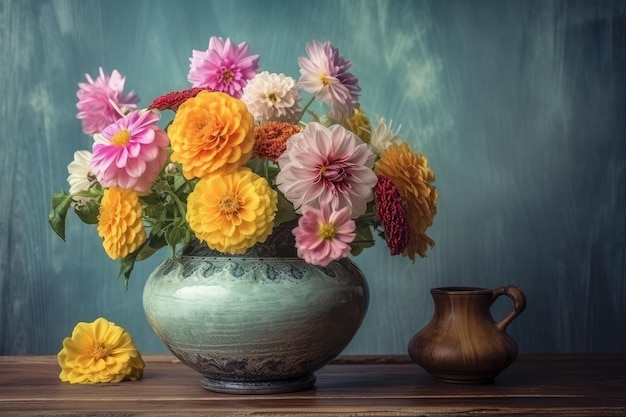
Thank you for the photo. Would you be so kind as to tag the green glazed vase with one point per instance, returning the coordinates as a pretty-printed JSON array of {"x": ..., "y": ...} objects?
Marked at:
[{"x": 262, "y": 322}]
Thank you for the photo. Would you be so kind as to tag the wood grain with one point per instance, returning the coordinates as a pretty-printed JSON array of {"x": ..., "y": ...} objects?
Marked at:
[{"x": 572, "y": 385}]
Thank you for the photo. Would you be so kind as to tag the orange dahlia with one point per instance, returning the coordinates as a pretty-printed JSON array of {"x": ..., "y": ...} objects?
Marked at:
[
  {"x": 119, "y": 222},
  {"x": 211, "y": 133},
  {"x": 412, "y": 176},
  {"x": 232, "y": 212}
]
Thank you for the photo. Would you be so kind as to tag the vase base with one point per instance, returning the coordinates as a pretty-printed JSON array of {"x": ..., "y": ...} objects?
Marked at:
[{"x": 258, "y": 387}]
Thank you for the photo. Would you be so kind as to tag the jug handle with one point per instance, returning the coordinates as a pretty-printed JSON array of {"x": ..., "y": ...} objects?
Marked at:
[{"x": 519, "y": 301}]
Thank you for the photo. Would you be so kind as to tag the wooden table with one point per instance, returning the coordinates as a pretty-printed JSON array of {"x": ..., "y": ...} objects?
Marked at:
[{"x": 547, "y": 385}]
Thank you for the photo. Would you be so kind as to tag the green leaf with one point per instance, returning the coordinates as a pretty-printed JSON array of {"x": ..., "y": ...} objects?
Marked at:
[
  {"x": 61, "y": 202},
  {"x": 88, "y": 212},
  {"x": 174, "y": 235},
  {"x": 364, "y": 238},
  {"x": 127, "y": 264},
  {"x": 154, "y": 243},
  {"x": 156, "y": 228},
  {"x": 256, "y": 165},
  {"x": 179, "y": 181},
  {"x": 273, "y": 171},
  {"x": 285, "y": 211},
  {"x": 150, "y": 199}
]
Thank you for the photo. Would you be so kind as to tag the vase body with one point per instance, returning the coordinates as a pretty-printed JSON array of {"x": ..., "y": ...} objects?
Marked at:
[
  {"x": 462, "y": 343},
  {"x": 262, "y": 322}
]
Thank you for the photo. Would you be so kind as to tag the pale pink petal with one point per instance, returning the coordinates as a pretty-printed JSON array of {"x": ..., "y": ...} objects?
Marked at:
[
  {"x": 327, "y": 166},
  {"x": 324, "y": 73}
]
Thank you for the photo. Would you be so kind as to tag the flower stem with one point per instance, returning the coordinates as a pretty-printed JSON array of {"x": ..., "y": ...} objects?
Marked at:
[
  {"x": 181, "y": 206},
  {"x": 306, "y": 106}
]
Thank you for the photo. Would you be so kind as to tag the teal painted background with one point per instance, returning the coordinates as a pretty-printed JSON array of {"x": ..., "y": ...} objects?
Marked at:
[{"x": 518, "y": 104}]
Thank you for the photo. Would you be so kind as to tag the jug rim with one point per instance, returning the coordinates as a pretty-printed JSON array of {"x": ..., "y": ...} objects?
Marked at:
[{"x": 460, "y": 290}]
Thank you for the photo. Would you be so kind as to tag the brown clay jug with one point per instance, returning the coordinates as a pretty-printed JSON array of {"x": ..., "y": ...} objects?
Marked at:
[{"x": 462, "y": 343}]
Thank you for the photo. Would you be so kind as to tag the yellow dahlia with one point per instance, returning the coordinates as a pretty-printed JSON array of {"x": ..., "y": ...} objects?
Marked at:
[
  {"x": 211, "y": 133},
  {"x": 359, "y": 124},
  {"x": 232, "y": 212},
  {"x": 119, "y": 222},
  {"x": 412, "y": 176},
  {"x": 99, "y": 351}
]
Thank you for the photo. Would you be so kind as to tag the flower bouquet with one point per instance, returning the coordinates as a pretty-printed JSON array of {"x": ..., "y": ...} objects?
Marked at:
[{"x": 241, "y": 155}]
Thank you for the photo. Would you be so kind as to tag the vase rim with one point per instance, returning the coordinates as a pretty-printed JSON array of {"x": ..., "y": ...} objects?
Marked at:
[{"x": 460, "y": 290}]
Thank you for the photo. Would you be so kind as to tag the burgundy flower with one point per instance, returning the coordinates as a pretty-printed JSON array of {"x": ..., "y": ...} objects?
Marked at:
[
  {"x": 391, "y": 214},
  {"x": 174, "y": 99}
]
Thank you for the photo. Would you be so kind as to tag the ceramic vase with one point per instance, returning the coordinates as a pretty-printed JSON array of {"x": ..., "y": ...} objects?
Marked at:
[
  {"x": 462, "y": 343},
  {"x": 257, "y": 323}
]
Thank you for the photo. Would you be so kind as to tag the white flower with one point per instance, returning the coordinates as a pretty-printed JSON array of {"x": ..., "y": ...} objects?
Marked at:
[
  {"x": 382, "y": 136},
  {"x": 272, "y": 97},
  {"x": 80, "y": 178}
]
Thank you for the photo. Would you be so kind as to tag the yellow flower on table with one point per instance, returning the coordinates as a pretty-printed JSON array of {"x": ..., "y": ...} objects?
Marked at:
[{"x": 97, "y": 352}]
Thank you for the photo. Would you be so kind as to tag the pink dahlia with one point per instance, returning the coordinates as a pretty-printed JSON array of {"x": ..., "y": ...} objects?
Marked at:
[
  {"x": 391, "y": 214},
  {"x": 327, "y": 166},
  {"x": 323, "y": 235},
  {"x": 130, "y": 152},
  {"x": 325, "y": 75},
  {"x": 224, "y": 67},
  {"x": 99, "y": 101}
]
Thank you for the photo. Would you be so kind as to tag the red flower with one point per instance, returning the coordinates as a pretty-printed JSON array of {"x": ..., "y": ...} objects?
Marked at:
[
  {"x": 391, "y": 214},
  {"x": 173, "y": 99}
]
